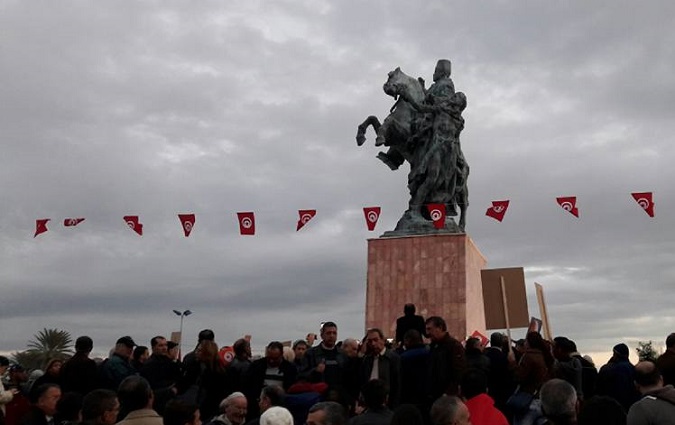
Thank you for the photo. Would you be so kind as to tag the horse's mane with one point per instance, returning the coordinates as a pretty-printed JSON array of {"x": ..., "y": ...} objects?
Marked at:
[{"x": 413, "y": 87}]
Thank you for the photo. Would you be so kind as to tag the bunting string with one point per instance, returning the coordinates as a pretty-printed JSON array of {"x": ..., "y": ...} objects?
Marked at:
[{"x": 437, "y": 213}]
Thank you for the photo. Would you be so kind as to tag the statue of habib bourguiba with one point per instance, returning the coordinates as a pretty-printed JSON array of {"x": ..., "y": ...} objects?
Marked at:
[{"x": 423, "y": 129}]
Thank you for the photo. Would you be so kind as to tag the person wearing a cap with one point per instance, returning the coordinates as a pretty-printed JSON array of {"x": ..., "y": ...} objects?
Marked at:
[
  {"x": 615, "y": 379},
  {"x": 118, "y": 365}
]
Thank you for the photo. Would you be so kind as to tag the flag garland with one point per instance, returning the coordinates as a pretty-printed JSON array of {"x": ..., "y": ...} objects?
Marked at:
[{"x": 246, "y": 220}]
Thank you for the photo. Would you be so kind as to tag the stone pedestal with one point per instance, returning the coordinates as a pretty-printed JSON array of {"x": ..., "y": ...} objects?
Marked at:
[{"x": 440, "y": 274}]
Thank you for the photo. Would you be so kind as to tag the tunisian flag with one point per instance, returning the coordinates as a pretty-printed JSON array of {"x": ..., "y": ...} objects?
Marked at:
[
  {"x": 305, "y": 216},
  {"x": 132, "y": 222},
  {"x": 498, "y": 210},
  {"x": 246, "y": 223},
  {"x": 41, "y": 226},
  {"x": 372, "y": 214},
  {"x": 569, "y": 204},
  {"x": 72, "y": 222},
  {"x": 437, "y": 214},
  {"x": 646, "y": 201},
  {"x": 188, "y": 222}
]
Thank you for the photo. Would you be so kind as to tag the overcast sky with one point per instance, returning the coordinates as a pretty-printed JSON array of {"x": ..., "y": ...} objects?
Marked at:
[{"x": 159, "y": 107}]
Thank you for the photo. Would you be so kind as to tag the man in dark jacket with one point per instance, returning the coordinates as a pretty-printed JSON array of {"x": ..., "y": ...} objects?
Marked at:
[
  {"x": 447, "y": 361},
  {"x": 44, "y": 399},
  {"x": 79, "y": 374},
  {"x": 657, "y": 405},
  {"x": 615, "y": 379},
  {"x": 326, "y": 362},
  {"x": 118, "y": 365},
  {"x": 272, "y": 369},
  {"x": 383, "y": 364},
  {"x": 500, "y": 382},
  {"x": 414, "y": 364},
  {"x": 159, "y": 369},
  {"x": 408, "y": 321}
]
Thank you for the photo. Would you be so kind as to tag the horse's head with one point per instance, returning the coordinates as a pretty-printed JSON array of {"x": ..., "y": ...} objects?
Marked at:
[{"x": 400, "y": 84}]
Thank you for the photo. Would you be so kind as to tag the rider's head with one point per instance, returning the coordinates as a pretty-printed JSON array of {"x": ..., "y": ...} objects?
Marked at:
[{"x": 443, "y": 69}]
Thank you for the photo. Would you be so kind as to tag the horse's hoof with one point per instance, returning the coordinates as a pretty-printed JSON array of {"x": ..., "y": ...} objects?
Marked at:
[
  {"x": 379, "y": 141},
  {"x": 360, "y": 139}
]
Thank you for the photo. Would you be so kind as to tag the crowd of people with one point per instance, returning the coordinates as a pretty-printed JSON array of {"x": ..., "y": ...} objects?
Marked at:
[{"x": 424, "y": 376}]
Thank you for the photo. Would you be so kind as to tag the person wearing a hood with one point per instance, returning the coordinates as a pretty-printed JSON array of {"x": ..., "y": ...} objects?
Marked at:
[
  {"x": 615, "y": 379},
  {"x": 657, "y": 405}
]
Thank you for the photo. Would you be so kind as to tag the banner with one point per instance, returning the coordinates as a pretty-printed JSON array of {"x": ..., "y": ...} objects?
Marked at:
[
  {"x": 188, "y": 222},
  {"x": 498, "y": 210},
  {"x": 437, "y": 214},
  {"x": 372, "y": 214},
  {"x": 246, "y": 223},
  {"x": 133, "y": 223},
  {"x": 305, "y": 216},
  {"x": 645, "y": 200},
  {"x": 569, "y": 204},
  {"x": 72, "y": 222},
  {"x": 41, "y": 226}
]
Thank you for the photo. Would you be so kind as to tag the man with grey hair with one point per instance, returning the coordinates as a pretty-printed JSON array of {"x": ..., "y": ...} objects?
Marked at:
[
  {"x": 559, "y": 402},
  {"x": 233, "y": 409},
  {"x": 326, "y": 413},
  {"x": 449, "y": 410}
]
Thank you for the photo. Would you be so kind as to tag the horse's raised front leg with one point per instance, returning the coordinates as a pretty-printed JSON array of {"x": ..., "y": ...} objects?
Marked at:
[{"x": 361, "y": 132}]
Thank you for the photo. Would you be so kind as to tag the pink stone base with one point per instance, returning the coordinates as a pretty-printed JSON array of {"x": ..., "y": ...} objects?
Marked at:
[{"x": 440, "y": 274}]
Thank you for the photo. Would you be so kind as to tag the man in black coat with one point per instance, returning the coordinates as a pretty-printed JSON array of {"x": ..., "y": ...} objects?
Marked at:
[
  {"x": 272, "y": 369},
  {"x": 383, "y": 364},
  {"x": 79, "y": 374},
  {"x": 159, "y": 369},
  {"x": 500, "y": 382},
  {"x": 409, "y": 321},
  {"x": 446, "y": 362}
]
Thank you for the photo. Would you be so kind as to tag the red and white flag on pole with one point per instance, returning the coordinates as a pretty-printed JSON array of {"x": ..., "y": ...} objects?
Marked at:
[
  {"x": 437, "y": 214},
  {"x": 372, "y": 214},
  {"x": 188, "y": 222},
  {"x": 646, "y": 201},
  {"x": 569, "y": 204},
  {"x": 41, "y": 226},
  {"x": 498, "y": 210},
  {"x": 132, "y": 222},
  {"x": 305, "y": 216},
  {"x": 246, "y": 223}
]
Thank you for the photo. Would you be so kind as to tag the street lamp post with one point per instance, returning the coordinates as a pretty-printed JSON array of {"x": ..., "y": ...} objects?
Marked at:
[{"x": 180, "y": 341}]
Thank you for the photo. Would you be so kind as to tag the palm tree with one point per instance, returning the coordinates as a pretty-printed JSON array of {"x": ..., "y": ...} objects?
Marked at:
[{"x": 50, "y": 344}]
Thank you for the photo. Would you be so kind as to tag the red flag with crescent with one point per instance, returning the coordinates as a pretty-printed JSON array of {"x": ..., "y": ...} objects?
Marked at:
[
  {"x": 498, "y": 210},
  {"x": 372, "y": 214},
  {"x": 646, "y": 201},
  {"x": 41, "y": 226},
  {"x": 483, "y": 339},
  {"x": 569, "y": 204},
  {"x": 246, "y": 223},
  {"x": 305, "y": 216},
  {"x": 226, "y": 355},
  {"x": 132, "y": 222},
  {"x": 188, "y": 222},
  {"x": 72, "y": 222},
  {"x": 437, "y": 214}
]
